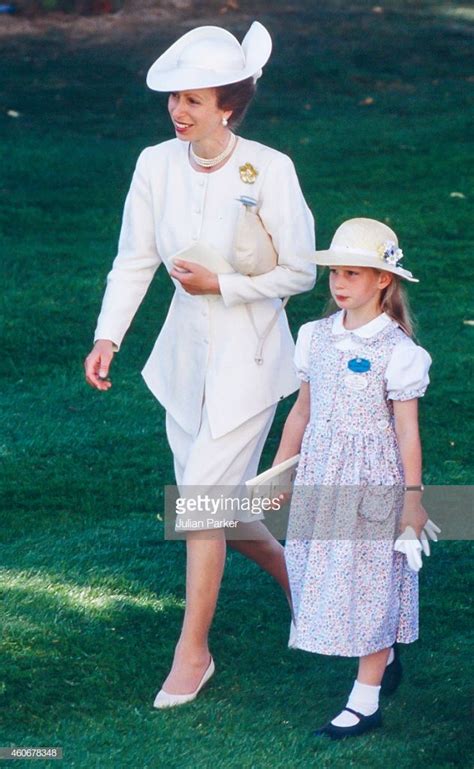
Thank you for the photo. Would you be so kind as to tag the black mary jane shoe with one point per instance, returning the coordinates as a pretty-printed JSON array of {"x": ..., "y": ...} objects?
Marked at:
[
  {"x": 393, "y": 674},
  {"x": 365, "y": 724}
]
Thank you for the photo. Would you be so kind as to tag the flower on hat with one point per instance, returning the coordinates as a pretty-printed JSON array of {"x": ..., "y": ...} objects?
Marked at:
[
  {"x": 248, "y": 173},
  {"x": 390, "y": 253}
]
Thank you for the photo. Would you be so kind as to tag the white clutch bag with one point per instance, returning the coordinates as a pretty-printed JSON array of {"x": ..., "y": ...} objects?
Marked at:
[
  {"x": 204, "y": 255},
  {"x": 275, "y": 480}
]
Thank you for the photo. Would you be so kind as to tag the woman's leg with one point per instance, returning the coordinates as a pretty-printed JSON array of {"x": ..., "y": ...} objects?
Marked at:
[
  {"x": 265, "y": 550},
  {"x": 201, "y": 465},
  {"x": 204, "y": 567}
]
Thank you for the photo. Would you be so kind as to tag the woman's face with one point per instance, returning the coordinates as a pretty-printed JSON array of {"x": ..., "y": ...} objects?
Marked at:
[{"x": 195, "y": 114}]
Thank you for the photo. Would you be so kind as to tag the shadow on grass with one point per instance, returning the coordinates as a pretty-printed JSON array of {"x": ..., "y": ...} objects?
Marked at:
[
  {"x": 88, "y": 636},
  {"x": 96, "y": 641},
  {"x": 71, "y": 647}
]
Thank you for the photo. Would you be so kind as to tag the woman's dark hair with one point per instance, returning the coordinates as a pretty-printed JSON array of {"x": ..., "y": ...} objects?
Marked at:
[{"x": 237, "y": 97}]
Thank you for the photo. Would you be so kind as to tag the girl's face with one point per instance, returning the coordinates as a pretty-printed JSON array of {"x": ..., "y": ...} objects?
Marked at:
[
  {"x": 195, "y": 114},
  {"x": 355, "y": 287}
]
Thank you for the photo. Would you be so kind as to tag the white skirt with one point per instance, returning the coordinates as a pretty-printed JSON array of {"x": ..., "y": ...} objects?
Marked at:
[{"x": 216, "y": 466}]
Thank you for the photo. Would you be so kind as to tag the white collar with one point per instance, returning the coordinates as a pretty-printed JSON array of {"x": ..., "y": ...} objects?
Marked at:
[{"x": 367, "y": 330}]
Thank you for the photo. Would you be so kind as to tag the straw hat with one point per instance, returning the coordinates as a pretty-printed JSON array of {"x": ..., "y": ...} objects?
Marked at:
[
  {"x": 364, "y": 243},
  {"x": 208, "y": 57}
]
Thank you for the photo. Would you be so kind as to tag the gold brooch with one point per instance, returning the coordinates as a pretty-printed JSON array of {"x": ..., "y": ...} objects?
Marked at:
[{"x": 248, "y": 173}]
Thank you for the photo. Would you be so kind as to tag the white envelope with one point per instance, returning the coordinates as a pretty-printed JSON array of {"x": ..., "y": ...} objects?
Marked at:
[
  {"x": 204, "y": 255},
  {"x": 275, "y": 480}
]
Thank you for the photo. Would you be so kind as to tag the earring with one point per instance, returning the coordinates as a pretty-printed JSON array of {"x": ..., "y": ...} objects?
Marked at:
[{"x": 225, "y": 122}]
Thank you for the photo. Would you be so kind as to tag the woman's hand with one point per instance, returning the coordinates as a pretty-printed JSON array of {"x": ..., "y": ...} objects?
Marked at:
[
  {"x": 413, "y": 514},
  {"x": 194, "y": 278},
  {"x": 97, "y": 364}
]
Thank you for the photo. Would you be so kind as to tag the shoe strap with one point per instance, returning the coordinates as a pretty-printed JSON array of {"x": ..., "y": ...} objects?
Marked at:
[{"x": 360, "y": 716}]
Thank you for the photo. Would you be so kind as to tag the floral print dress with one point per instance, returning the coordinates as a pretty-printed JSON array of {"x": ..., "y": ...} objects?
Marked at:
[{"x": 352, "y": 593}]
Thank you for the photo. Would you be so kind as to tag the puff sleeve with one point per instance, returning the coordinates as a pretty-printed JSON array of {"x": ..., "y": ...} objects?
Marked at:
[
  {"x": 407, "y": 372},
  {"x": 301, "y": 357}
]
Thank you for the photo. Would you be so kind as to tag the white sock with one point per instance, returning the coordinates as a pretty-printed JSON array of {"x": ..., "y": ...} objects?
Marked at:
[
  {"x": 391, "y": 656},
  {"x": 363, "y": 698}
]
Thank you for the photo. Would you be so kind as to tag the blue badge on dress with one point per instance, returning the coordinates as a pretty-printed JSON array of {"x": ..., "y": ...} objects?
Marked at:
[{"x": 359, "y": 365}]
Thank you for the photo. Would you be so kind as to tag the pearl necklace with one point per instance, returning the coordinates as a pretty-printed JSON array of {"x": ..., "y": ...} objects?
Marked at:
[{"x": 211, "y": 162}]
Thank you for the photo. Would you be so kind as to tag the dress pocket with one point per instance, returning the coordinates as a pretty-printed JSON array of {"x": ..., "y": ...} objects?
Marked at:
[{"x": 379, "y": 503}]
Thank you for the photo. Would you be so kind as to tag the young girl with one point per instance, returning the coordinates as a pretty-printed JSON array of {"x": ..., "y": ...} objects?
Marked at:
[{"x": 355, "y": 423}]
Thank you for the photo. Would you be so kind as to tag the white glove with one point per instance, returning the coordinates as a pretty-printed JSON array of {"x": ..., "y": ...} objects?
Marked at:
[
  {"x": 430, "y": 529},
  {"x": 412, "y": 547},
  {"x": 408, "y": 544}
]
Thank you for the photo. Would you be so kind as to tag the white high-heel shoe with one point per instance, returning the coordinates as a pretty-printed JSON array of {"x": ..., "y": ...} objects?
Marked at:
[{"x": 165, "y": 700}]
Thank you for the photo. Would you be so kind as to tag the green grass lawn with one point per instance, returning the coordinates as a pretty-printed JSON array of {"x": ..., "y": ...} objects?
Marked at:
[{"x": 373, "y": 108}]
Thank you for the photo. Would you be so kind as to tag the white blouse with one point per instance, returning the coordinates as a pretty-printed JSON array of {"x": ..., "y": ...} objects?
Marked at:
[{"x": 406, "y": 374}]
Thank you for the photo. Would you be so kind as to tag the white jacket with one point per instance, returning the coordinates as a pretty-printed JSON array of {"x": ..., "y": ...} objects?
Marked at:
[{"x": 207, "y": 344}]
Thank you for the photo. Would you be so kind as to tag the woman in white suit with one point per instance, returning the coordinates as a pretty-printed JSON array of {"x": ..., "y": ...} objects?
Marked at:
[{"x": 218, "y": 369}]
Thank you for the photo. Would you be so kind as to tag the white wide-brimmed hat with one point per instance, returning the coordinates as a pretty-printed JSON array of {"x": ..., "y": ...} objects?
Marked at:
[
  {"x": 364, "y": 243},
  {"x": 208, "y": 57}
]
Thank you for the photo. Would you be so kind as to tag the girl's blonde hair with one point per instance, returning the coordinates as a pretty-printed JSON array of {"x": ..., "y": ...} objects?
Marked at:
[{"x": 393, "y": 301}]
